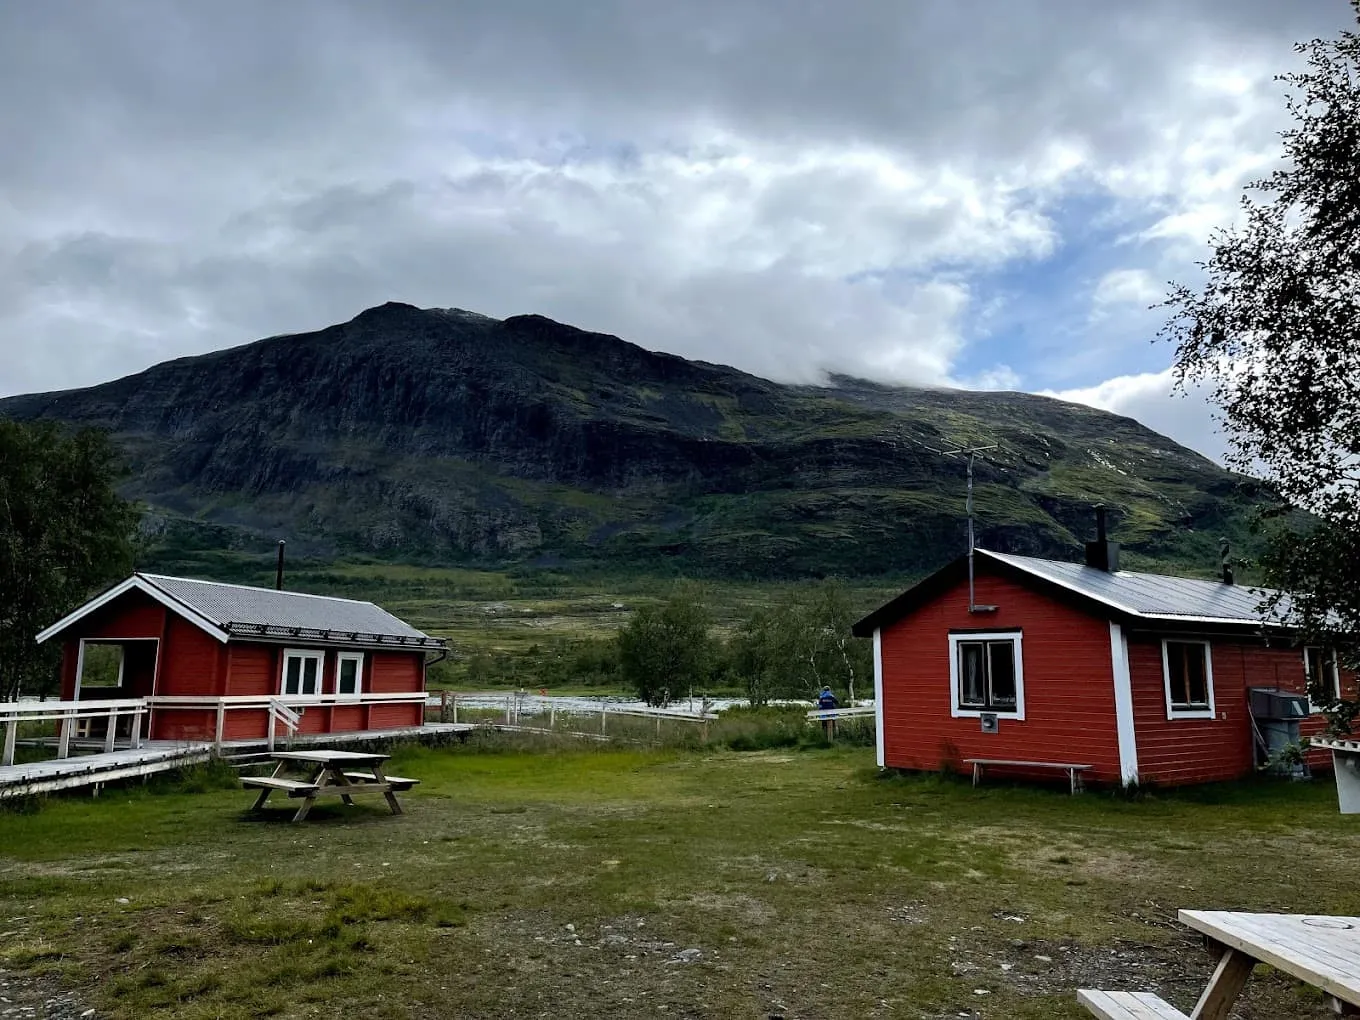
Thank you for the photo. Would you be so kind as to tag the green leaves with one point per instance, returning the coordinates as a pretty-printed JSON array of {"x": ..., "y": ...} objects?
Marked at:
[
  {"x": 1275, "y": 334},
  {"x": 666, "y": 649},
  {"x": 64, "y": 531}
]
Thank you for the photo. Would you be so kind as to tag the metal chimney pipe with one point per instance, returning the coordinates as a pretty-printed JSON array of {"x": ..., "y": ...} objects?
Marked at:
[
  {"x": 278, "y": 574},
  {"x": 1101, "y": 535}
]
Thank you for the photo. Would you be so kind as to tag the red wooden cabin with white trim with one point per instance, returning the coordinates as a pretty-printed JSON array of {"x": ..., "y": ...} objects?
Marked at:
[
  {"x": 1145, "y": 677},
  {"x": 210, "y": 659}
]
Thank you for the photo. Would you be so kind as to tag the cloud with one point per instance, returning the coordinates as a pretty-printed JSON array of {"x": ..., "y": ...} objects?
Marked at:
[
  {"x": 1151, "y": 398},
  {"x": 1127, "y": 287},
  {"x": 787, "y": 187}
]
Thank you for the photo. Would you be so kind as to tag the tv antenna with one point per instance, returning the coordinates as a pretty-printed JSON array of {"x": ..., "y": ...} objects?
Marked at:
[{"x": 969, "y": 454}]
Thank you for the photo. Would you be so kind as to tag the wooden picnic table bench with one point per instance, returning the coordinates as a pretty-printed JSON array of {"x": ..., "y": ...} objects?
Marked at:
[
  {"x": 328, "y": 778},
  {"x": 1073, "y": 771},
  {"x": 1321, "y": 951}
]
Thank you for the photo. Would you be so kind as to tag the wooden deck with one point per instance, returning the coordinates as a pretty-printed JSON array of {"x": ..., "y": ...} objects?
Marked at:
[{"x": 162, "y": 755}]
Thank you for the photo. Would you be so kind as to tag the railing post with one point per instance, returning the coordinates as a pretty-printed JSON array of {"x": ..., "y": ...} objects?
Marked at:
[
  {"x": 11, "y": 731},
  {"x": 603, "y": 705},
  {"x": 137, "y": 715},
  {"x": 221, "y": 720},
  {"x": 112, "y": 731},
  {"x": 507, "y": 710},
  {"x": 455, "y": 708},
  {"x": 64, "y": 737},
  {"x": 271, "y": 726}
]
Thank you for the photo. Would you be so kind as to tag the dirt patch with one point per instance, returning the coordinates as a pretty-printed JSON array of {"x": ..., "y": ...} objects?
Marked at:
[{"x": 25, "y": 996}]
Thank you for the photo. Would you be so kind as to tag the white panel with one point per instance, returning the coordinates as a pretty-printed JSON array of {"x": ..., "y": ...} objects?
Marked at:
[
  {"x": 1123, "y": 705},
  {"x": 878, "y": 694}
]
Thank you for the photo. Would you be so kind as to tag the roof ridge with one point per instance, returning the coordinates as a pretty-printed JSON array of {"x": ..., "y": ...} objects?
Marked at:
[{"x": 256, "y": 587}]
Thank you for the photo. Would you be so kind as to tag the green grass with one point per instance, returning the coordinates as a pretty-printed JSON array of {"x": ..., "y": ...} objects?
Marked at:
[{"x": 563, "y": 883}]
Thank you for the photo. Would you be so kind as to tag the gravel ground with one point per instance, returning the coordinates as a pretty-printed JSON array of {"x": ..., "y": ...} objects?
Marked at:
[{"x": 27, "y": 998}]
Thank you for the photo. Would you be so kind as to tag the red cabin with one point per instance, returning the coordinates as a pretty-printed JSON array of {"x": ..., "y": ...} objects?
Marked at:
[
  {"x": 1144, "y": 677},
  {"x": 221, "y": 662}
]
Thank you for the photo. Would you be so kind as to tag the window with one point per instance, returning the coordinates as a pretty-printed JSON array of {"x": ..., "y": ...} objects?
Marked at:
[
  {"x": 1319, "y": 665},
  {"x": 987, "y": 674},
  {"x": 302, "y": 673},
  {"x": 349, "y": 674},
  {"x": 1189, "y": 676}
]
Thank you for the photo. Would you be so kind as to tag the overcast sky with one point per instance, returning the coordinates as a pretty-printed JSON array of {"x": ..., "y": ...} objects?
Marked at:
[{"x": 980, "y": 193}]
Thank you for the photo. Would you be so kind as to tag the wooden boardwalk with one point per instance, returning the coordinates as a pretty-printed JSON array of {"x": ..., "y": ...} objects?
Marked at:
[{"x": 163, "y": 755}]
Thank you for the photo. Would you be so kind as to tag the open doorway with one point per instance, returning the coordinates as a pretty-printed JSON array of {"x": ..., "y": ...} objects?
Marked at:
[{"x": 112, "y": 670}]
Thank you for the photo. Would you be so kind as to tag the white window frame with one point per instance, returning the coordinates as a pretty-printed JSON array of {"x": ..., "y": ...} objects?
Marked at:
[
  {"x": 302, "y": 653},
  {"x": 1189, "y": 713},
  {"x": 958, "y": 712},
  {"x": 1330, "y": 663},
  {"x": 358, "y": 659}
]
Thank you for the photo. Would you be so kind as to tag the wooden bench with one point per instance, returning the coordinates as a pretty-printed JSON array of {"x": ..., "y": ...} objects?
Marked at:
[
  {"x": 399, "y": 783},
  {"x": 1073, "y": 771},
  {"x": 294, "y": 787},
  {"x": 1128, "y": 1005}
]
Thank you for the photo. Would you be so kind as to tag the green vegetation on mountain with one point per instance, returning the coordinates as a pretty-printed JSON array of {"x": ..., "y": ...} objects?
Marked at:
[{"x": 445, "y": 438}]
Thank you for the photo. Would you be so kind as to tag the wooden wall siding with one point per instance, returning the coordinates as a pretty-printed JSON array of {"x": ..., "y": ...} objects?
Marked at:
[
  {"x": 1174, "y": 752},
  {"x": 185, "y": 724},
  {"x": 246, "y": 724},
  {"x": 315, "y": 719},
  {"x": 70, "y": 652},
  {"x": 1069, "y": 684},
  {"x": 388, "y": 717},
  {"x": 393, "y": 672},
  {"x": 253, "y": 669},
  {"x": 133, "y": 614},
  {"x": 192, "y": 662},
  {"x": 347, "y": 717}
]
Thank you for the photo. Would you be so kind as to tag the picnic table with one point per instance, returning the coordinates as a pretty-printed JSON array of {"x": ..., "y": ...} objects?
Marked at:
[
  {"x": 1321, "y": 951},
  {"x": 329, "y": 773}
]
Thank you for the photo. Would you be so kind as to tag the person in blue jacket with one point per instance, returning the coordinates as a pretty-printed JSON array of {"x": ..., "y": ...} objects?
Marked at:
[{"x": 827, "y": 700}]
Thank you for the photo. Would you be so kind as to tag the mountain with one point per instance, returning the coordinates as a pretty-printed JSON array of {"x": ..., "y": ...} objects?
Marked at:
[{"x": 445, "y": 436}]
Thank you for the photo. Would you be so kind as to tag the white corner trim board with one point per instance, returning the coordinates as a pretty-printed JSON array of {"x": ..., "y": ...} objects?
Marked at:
[
  {"x": 878, "y": 695},
  {"x": 1123, "y": 705}
]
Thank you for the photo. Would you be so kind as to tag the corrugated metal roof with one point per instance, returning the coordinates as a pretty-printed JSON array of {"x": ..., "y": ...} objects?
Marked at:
[
  {"x": 1152, "y": 596},
  {"x": 238, "y": 608}
]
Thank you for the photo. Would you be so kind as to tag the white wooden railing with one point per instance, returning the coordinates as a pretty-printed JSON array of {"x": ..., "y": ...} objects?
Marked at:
[
  {"x": 67, "y": 715},
  {"x": 284, "y": 710},
  {"x": 279, "y": 713},
  {"x": 823, "y": 714}
]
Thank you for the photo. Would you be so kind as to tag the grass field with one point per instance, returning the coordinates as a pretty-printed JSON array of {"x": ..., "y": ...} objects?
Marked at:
[{"x": 606, "y": 882}]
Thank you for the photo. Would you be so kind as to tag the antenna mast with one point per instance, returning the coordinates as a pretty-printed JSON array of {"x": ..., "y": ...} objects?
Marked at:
[{"x": 971, "y": 453}]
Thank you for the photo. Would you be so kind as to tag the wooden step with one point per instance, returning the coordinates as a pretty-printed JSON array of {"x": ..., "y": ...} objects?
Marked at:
[{"x": 1128, "y": 1005}]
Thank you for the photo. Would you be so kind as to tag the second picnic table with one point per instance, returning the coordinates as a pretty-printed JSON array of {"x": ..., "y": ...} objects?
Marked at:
[{"x": 332, "y": 773}]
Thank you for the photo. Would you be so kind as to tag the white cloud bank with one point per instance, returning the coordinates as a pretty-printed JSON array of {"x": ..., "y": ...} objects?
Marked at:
[{"x": 1149, "y": 397}]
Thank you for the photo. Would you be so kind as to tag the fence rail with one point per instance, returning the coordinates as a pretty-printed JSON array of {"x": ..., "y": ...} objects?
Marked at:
[{"x": 67, "y": 715}]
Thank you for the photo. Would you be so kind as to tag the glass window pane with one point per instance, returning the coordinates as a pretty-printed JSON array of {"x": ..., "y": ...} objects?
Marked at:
[
  {"x": 1188, "y": 671},
  {"x": 971, "y": 679},
  {"x": 309, "y": 675},
  {"x": 349, "y": 677},
  {"x": 1196, "y": 673},
  {"x": 1001, "y": 663},
  {"x": 292, "y": 671}
]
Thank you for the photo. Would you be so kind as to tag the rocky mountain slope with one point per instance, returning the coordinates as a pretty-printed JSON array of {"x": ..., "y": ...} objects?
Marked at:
[{"x": 446, "y": 436}]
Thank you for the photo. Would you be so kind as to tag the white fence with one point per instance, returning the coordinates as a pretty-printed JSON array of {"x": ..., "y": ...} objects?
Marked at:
[
  {"x": 70, "y": 716},
  {"x": 284, "y": 710}
]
